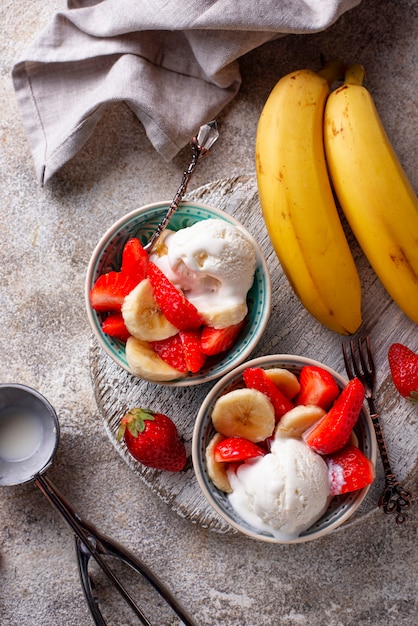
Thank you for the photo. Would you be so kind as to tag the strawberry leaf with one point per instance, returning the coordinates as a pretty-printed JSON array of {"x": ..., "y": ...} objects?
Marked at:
[{"x": 134, "y": 421}]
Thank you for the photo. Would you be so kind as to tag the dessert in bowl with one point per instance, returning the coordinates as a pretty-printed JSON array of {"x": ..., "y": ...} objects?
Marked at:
[
  {"x": 218, "y": 268},
  {"x": 290, "y": 482}
]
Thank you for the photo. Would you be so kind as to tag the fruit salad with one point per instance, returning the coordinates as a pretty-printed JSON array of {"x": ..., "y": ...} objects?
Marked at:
[
  {"x": 181, "y": 305},
  {"x": 284, "y": 445}
]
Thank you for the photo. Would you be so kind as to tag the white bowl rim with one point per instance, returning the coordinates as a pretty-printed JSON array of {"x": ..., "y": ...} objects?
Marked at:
[
  {"x": 224, "y": 382},
  {"x": 261, "y": 262}
]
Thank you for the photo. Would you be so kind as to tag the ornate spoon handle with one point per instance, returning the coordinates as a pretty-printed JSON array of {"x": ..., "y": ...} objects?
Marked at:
[{"x": 206, "y": 137}]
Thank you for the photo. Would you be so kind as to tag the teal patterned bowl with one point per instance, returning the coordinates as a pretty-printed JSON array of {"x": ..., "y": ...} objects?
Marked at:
[
  {"x": 142, "y": 223},
  {"x": 340, "y": 509}
]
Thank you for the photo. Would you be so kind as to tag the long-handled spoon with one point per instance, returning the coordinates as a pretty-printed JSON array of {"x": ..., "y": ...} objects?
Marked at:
[{"x": 201, "y": 144}]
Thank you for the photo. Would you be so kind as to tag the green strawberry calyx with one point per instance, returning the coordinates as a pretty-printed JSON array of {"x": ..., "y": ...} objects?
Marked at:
[
  {"x": 134, "y": 420},
  {"x": 413, "y": 397}
]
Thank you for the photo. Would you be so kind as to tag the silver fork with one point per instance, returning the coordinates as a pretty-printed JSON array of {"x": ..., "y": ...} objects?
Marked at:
[{"x": 395, "y": 499}]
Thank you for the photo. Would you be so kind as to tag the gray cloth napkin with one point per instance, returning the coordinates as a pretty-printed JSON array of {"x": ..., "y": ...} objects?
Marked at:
[{"x": 173, "y": 62}]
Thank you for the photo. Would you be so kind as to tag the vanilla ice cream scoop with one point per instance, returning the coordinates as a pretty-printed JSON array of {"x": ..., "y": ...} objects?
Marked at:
[
  {"x": 213, "y": 263},
  {"x": 284, "y": 492}
]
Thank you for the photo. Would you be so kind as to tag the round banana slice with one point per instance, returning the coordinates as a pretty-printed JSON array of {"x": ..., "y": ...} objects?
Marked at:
[
  {"x": 297, "y": 420},
  {"x": 142, "y": 316},
  {"x": 217, "y": 471},
  {"x": 222, "y": 316},
  {"x": 160, "y": 248},
  {"x": 285, "y": 380},
  {"x": 144, "y": 362},
  {"x": 244, "y": 413}
]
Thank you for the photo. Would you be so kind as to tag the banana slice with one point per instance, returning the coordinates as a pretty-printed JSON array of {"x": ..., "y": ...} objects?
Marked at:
[
  {"x": 160, "y": 248},
  {"x": 244, "y": 413},
  {"x": 217, "y": 471},
  {"x": 142, "y": 316},
  {"x": 144, "y": 362},
  {"x": 297, "y": 420},
  {"x": 285, "y": 380},
  {"x": 222, "y": 316}
]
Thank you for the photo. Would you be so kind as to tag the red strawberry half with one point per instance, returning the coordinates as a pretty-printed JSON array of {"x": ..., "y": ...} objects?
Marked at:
[
  {"x": 256, "y": 378},
  {"x": 152, "y": 439},
  {"x": 134, "y": 260},
  {"x": 181, "y": 351},
  {"x": 317, "y": 386},
  {"x": 236, "y": 449},
  {"x": 333, "y": 430},
  {"x": 217, "y": 340},
  {"x": 109, "y": 291},
  {"x": 403, "y": 364},
  {"x": 192, "y": 350},
  {"x": 171, "y": 351},
  {"x": 177, "y": 309},
  {"x": 114, "y": 326},
  {"x": 349, "y": 470}
]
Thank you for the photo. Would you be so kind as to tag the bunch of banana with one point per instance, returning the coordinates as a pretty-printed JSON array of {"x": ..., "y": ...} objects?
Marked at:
[
  {"x": 297, "y": 200},
  {"x": 373, "y": 190}
]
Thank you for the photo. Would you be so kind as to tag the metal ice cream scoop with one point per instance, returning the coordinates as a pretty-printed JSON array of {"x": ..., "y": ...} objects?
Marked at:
[{"x": 29, "y": 434}]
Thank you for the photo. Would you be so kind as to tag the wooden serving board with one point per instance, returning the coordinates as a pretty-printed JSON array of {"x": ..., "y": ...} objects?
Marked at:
[{"x": 291, "y": 330}]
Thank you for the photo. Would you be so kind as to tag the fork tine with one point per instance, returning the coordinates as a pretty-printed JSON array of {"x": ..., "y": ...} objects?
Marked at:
[
  {"x": 347, "y": 364},
  {"x": 354, "y": 359},
  {"x": 370, "y": 364},
  {"x": 362, "y": 366},
  {"x": 369, "y": 367}
]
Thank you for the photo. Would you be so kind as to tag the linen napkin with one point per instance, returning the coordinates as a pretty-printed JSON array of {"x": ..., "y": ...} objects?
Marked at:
[{"x": 173, "y": 62}]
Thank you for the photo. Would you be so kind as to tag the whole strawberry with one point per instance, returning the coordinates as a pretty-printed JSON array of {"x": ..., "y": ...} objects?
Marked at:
[
  {"x": 403, "y": 365},
  {"x": 152, "y": 439}
]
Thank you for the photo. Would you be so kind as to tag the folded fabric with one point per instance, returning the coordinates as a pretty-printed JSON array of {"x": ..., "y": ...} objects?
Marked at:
[{"x": 174, "y": 63}]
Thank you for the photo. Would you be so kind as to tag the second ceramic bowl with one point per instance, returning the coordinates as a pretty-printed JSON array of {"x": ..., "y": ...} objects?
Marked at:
[{"x": 340, "y": 508}]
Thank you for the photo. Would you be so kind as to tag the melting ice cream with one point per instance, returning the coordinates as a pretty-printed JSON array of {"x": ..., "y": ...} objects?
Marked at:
[
  {"x": 213, "y": 263},
  {"x": 284, "y": 492}
]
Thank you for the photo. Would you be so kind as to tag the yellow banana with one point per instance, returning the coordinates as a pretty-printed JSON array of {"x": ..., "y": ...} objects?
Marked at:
[
  {"x": 373, "y": 190},
  {"x": 297, "y": 201}
]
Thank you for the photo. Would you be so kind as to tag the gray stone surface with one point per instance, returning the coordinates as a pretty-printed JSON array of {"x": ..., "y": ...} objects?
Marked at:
[{"x": 364, "y": 575}]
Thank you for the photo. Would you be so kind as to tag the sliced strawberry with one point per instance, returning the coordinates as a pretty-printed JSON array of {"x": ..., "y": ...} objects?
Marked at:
[
  {"x": 349, "y": 469},
  {"x": 256, "y": 378},
  {"x": 177, "y": 309},
  {"x": 317, "y": 386},
  {"x": 236, "y": 449},
  {"x": 333, "y": 430},
  {"x": 114, "y": 326},
  {"x": 134, "y": 260},
  {"x": 217, "y": 340},
  {"x": 171, "y": 351},
  {"x": 109, "y": 291},
  {"x": 193, "y": 355}
]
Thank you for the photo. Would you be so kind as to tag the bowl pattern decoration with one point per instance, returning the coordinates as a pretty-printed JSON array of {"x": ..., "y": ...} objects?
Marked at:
[
  {"x": 142, "y": 223},
  {"x": 340, "y": 508}
]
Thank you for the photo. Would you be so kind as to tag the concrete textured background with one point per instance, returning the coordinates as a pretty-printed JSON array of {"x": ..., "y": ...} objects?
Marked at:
[{"x": 364, "y": 575}]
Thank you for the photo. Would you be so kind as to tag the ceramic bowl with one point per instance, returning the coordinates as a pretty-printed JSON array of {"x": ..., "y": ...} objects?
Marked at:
[
  {"x": 340, "y": 508},
  {"x": 142, "y": 223}
]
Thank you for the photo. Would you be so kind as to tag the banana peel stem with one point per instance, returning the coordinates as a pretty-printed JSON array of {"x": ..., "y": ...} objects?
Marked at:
[
  {"x": 354, "y": 75},
  {"x": 332, "y": 71}
]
